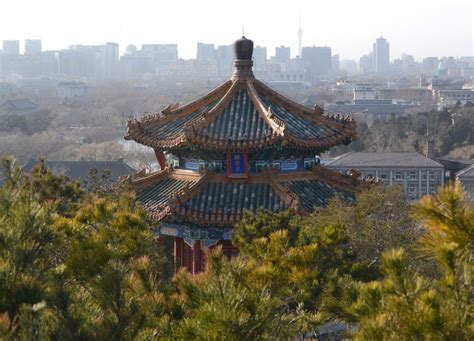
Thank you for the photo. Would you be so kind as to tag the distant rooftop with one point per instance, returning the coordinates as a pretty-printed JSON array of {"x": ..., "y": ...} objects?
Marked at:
[
  {"x": 19, "y": 104},
  {"x": 466, "y": 172},
  {"x": 72, "y": 83}
]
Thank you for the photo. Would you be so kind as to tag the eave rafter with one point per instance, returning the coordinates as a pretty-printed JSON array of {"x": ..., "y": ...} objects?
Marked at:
[
  {"x": 159, "y": 213},
  {"x": 316, "y": 115},
  {"x": 348, "y": 183},
  {"x": 193, "y": 135},
  {"x": 178, "y": 199},
  {"x": 136, "y": 127},
  {"x": 276, "y": 125},
  {"x": 341, "y": 129},
  {"x": 282, "y": 190},
  {"x": 193, "y": 128}
]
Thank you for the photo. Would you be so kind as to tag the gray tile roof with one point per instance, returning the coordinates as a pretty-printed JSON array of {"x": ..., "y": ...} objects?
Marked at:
[
  {"x": 157, "y": 196},
  {"x": 242, "y": 115},
  {"x": 314, "y": 193},
  {"x": 385, "y": 160},
  {"x": 467, "y": 172},
  {"x": 19, "y": 104}
]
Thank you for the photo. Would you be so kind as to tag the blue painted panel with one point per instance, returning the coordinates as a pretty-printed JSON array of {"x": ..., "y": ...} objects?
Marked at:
[
  {"x": 237, "y": 163},
  {"x": 168, "y": 229},
  {"x": 191, "y": 164},
  {"x": 289, "y": 165}
]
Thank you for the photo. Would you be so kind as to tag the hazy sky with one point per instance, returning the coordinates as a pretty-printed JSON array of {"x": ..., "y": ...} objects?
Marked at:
[{"x": 418, "y": 27}]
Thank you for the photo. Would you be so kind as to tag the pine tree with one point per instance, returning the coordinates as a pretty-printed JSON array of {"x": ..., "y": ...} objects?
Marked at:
[{"x": 405, "y": 305}]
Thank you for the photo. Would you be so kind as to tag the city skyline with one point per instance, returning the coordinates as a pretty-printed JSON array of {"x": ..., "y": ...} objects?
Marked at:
[
  {"x": 422, "y": 29},
  {"x": 272, "y": 53}
]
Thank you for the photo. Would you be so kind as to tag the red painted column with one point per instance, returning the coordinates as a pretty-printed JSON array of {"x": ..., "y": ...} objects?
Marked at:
[
  {"x": 197, "y": 257},
  {"x": 159, "y": 241},
  {"x": 178, "y": 253},
  {"x": 246, "y": 169},
  {"x": 160, "y": 157}
]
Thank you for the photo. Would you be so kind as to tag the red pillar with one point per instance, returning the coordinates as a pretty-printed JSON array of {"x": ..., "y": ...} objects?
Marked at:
[
  {"x": 197, "y": 257},
  {"x": 246, "y": 169},
  {"x": 178, "y": 253},
  {"x": 159, "y": 241},
  {"x": 229, "y": 166},
  {"x": 160, "y": 157}
]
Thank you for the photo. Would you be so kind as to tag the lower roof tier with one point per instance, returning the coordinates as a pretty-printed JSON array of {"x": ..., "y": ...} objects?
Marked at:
[{"x": 215, "y": 200}]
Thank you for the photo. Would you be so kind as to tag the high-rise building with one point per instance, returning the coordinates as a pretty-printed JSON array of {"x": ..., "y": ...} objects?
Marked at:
[
  {"x": 157, "y": 58},
  {"x": 259, "y": 57},
  {"x": 206, "y": 52},
  {"x": 33, "y": 46},
  {"x": 161, "y": 52},
  {"x": 225, "y": 57},
  {"x": 381, "y": 56},
  {"x": 11, "y": 47},
  {"x": 109, "y": 59},
  {"x": 317, "y": 59},
  {"x": 366, "y": 64},
  {"x": 408, "y": 61},
  {"x": 282, "y": 54},
  {"x": 349, "y": 66},
  {"x": 335, "y": 63},
  {"x": 430, "y": 65}
]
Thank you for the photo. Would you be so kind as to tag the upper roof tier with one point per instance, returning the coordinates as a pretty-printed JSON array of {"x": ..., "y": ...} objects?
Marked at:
[{"x": 243, "y": 114}]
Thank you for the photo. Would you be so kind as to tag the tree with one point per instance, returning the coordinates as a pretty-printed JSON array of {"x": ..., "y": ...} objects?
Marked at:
[
  {"x": 406, "y": 305},
  {"x": 378, "y": 220},
  {"x": 74, "y": 264},
  {"x": 251, "y": 298}
]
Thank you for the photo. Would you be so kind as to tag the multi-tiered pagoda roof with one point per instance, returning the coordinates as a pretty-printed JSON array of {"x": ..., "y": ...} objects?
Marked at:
[{"x": 241, "y": 147}]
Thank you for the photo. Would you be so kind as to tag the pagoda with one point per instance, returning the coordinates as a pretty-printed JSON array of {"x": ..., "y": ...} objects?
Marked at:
[{"x": 241, "y": 147}]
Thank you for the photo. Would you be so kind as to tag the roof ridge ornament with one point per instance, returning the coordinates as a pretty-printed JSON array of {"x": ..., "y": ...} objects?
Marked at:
[{"x": 243, "y": 63}]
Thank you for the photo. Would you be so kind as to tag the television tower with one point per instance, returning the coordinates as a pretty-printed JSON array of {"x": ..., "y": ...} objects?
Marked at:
[{"x": 300, "y": 34}]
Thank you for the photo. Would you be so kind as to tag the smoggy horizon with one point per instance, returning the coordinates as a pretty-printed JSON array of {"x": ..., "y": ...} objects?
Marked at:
[{"x": 422, "y": 29}]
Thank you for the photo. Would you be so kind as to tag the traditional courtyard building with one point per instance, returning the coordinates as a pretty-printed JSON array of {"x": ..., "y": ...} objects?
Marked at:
[{"x": 242, "y": 147}]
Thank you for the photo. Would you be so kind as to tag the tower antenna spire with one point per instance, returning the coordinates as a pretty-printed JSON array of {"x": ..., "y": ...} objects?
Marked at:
[
  {"x": 243, "y": 31},
  {"x": 300, "y": 34}
]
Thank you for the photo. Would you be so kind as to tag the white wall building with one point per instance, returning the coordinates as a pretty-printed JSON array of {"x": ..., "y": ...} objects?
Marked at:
[
  {"x": 416, "y": 173},
  {"x": 449, "y": 98},
  {"x": 364, "y": 92},
  {"x": 67, "y": 90}
]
